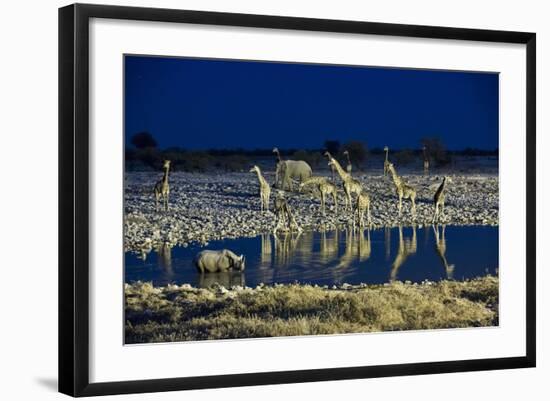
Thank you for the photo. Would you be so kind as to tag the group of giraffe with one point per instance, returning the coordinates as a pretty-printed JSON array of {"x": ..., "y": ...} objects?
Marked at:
[
  {"x": 351, "y": 186},
  {"x": 327, "y": 188}
]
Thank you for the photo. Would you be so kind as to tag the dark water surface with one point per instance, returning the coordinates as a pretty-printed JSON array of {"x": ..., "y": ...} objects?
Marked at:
[{"x": 335, "y": 257}]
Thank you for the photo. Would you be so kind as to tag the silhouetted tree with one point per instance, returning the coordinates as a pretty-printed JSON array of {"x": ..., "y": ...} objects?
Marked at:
[
  {"x": 143, "y": 140},
  {"x": 332, "y": 146},
  {"x": 436, "y": 150},
  {"x": 357, "y": 151}
]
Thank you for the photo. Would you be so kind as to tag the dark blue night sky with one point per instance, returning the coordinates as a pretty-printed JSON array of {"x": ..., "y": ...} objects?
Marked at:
[{"x": 203, "y": 104}]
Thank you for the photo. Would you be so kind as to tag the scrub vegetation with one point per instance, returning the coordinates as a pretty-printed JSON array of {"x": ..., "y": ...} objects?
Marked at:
[{"x": 182, "y": 313}]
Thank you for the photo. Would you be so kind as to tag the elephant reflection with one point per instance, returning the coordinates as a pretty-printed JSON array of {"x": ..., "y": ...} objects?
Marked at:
[
  {"x": 441, "y": 249},
  {"x": 405, "y": 248},
  {"x": 226, "y": 279}
]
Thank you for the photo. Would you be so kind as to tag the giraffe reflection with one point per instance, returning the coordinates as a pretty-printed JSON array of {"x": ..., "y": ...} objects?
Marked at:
[
  {"x": 164, "y": 252},
  {"x": 441, "y": 249},
  {"x": 328, "y": 247},
  {"x": 285, "y": 246},
  {"x": 406, "y": 247},
  {"x": 357, "y": 247},
  {"x": 265, "y": 274}
]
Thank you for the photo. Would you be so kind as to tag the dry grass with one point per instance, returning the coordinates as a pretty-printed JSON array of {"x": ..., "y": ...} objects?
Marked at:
[{"x": 183, "y": 313}]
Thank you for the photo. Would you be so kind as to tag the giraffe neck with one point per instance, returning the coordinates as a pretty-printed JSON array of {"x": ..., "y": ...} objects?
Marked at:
[
  {"x": 260, "y": 177},
  {"x": 386, "y": 154},
  {"x": 395, "y": 177},
  {"x": 442, "y": 186},
  {"x": 279, "y": 155},
  {"x": 165, "y": 176},
  {"x": 343, "y": 175},
  {"x": 347, "y": 156}
]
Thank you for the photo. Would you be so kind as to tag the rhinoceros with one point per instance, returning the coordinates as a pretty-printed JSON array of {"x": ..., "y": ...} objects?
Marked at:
[{"x": 211, "y": 261}]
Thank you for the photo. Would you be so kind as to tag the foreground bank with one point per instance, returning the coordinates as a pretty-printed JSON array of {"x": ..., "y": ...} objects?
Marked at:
[{"x": 183, "y": 313}]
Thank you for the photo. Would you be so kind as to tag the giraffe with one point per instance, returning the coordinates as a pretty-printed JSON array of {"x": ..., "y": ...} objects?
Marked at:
[
  {"x": 386, "y": 161},
  {"x": 276, "y": 151},
  {"x": 284, "y": 214},
  {"x": 162, "y": 188},
  {"x": 441, "y": 249},
  {"x": 351, "y": 185},
  {"x": 265, "y": 189},
  {"x": 426, "y": 160},
  {"x": 348, "y": 167},
  {"x": 326, "y": 188},
  {"x": 439, "y": 200},
  {"x": 332, "y": 169},
  {"x": 362, "y": 204},
  {"x": 403, "y": 190},
  {"x": 405, "y": 248}
]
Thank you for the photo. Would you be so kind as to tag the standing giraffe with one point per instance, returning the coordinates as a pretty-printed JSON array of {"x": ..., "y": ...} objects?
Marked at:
[
  {"x": 348, "y": 167},
  {"x": 284, "y": 215},
  {"x": 403, "y": 190},
  {"x": 276, "y": 151},
  {"x": 386, "y": 161},
  {"x": 441, "y": 249},
  {"x": 426, "y": 160},
  {"x": 325, "y": 188},
  {"x": 351, "y": 185},
  {"x": 361, "y": 206},
  {"x": 439, "y": 200},
  {"x": 332, "y": 169},
  {"x": 162, "y": 188},
  {"x": 265, "y": 189}
]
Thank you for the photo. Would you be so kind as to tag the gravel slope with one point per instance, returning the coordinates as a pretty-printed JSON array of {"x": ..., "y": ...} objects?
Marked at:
[{"x": 226, "y": 205}]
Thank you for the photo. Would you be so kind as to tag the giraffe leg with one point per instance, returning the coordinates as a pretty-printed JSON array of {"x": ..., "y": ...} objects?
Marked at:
[
  {"x": 369, "y": 217},
  {"x": 335, "y": 199},
  {"x": 322, "y": 202},
  {"x": 400, "y": 205},
  {"x": 436, "y": 211},
  {"x": 413, "y": 206}
]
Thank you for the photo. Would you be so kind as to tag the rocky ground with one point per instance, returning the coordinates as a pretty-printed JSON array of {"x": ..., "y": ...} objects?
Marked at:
[{"x": 210, "y": 206}]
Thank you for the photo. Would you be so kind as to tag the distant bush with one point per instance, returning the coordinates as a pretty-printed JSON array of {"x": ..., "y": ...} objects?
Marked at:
[
  {"x": 357, "y": 151},
  {"x": 404, "y": 157},
  {"x": 311, "y": 158},
  {"x": 143, "y": 140},
  {"x": 232, "y": 162},
  {"x": 332, "y": 146},
  {"x": 436, "y": 150}
]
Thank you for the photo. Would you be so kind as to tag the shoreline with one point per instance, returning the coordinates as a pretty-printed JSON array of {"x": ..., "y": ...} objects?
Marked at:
[
  {"x": 185, "y": 313},
  {"x": 207, "y": 206}
]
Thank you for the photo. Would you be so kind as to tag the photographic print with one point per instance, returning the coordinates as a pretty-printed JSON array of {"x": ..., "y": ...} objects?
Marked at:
[{"x": 267, "y": 199}]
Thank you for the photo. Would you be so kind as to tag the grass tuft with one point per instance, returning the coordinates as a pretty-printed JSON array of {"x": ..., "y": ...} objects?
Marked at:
[{"x": 173, "y": 313}]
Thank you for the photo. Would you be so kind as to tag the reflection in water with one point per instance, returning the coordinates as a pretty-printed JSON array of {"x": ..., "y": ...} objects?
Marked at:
[
  {"x": 227, "y": 279},
  {"x": 405, "y": 248},
  {"x": 332, "y": 257},
  {"x": 328, "y": 247},
  {"x": 441, "y": 249},
  {"x": 387, "y": 241}
]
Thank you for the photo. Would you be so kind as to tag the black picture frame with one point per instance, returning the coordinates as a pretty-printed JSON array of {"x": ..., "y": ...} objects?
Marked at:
[{"x": 74, "y": 198}]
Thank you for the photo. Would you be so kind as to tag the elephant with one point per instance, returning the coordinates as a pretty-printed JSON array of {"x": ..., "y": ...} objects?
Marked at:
[
  {"x": 289, "y": 170},
  {"x": 210, "y": 261}
]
